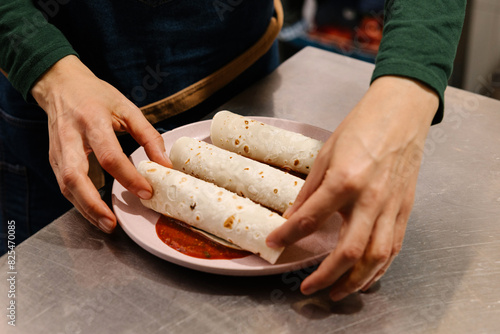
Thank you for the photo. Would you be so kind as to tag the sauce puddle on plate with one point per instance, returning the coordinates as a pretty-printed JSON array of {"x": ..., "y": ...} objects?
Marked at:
[{"x": 180, "y": 237}]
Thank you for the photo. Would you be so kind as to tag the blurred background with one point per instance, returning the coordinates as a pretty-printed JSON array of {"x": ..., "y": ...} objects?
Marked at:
[{"x": 354, "y": 28}]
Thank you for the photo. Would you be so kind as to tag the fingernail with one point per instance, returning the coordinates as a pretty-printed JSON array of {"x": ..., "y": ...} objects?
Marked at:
[
  {"x": 307, "y": 290},
  {"x": 144, "y": 194},
  {"x": 167, "y": 160},
  {"x": 272, "y": 244},
  {"x": 287, "y": 212},
  {"x": 336, "y": 296},
  {"x": 106, "y": 225}
]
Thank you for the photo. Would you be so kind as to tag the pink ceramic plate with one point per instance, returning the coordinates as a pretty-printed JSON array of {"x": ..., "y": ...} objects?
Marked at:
[{"x": 139, "y": 222}]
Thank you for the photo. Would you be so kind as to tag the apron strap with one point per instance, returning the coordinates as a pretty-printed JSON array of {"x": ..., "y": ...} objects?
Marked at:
[
  {"x": 196, "y": 93},
  {"x": 193, "y": 95}
]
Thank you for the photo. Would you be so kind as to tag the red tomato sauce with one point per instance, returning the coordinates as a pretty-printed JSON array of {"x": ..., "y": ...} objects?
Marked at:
[{"x": 180, "y": 237}]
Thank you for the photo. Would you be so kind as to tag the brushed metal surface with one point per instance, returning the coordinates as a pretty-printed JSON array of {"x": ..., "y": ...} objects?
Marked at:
[{"x": 71, "y": 278}]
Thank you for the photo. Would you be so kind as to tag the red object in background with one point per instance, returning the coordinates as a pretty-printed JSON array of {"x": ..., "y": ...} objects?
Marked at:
[
  {"x": 365, "y": 37},
  {"x": 368, "y": 34},
  {"x": 341, "y": 37}
]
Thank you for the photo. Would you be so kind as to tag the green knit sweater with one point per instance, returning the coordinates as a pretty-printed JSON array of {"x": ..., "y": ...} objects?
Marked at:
[{"x": 420, "y": 38}]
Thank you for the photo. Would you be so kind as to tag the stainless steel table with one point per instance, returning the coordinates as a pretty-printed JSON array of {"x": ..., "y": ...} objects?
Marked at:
[{"x": 73, "y": 279}]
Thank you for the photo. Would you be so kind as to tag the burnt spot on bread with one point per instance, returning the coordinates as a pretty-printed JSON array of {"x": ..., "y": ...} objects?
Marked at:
[
  {"x": 296, "y": 162},
  {"x": 192, "y": 206},
  {"x": 246, "y": 149},
  {"x": 229, "y": 222},
  {"x": 236, "y": 142}
]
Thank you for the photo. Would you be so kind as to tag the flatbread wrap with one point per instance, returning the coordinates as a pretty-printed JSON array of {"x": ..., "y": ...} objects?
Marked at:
[
  {"x": 264, "y": 142},
  {"x": 269, "y": 186},
  {"x": 212, "y": 209}
]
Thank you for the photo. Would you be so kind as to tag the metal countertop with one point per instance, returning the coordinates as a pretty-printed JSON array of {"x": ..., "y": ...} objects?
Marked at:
[{"x": 71, "y": 278}]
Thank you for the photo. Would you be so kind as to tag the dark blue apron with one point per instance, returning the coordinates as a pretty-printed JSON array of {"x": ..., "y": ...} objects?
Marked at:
[{"x": 147, "y": 49}]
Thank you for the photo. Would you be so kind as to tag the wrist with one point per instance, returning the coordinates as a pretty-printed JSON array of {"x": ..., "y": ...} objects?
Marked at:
[
  {"x": 52, "y": 81},
  {"x": 416, "y": 100},
  {"x": 394, "y": 112}
]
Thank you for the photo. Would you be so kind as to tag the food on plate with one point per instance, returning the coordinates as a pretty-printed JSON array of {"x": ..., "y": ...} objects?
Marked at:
[
  {"x": 194, "y": 242},
  {"x": 263, "y": 142},
  {"x": 212, "y": 209},
  {"x": 269, "y": 186}
]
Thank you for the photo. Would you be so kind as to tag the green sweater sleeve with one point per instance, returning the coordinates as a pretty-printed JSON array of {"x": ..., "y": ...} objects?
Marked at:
[
  {"x": 29, "y": 44},
  {"x": 420, "y": 40}
]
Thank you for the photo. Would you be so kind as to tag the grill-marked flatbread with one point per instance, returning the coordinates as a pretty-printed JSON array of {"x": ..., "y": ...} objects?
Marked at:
[
  {"x": 261, "y": 183},
  {"x": 263, "y": 142},
  {"x": 212, "y": 209}
]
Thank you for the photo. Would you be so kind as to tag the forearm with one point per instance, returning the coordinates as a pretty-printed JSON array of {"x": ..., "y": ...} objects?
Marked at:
[
  {"x": 419, "y": 41},
  {"x": 30, "y": 45}
]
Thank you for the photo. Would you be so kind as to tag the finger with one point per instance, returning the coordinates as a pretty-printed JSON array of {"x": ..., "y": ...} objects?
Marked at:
[
  {"x": 89, "y": 203},
  {"x": 319, "y": 206},
  {"x": 379, "y": 274},
  {"x": 399, "y": 232},
  {"x": 111, "y": 157},
  {"x": 313, "y": 181},
  {"x": 349, "y": 250},
  {"x": 377, "y": 254},
  {"x": 70, "y": 166},
  {"x": 146, "y": 135},
  {"x": 93, "y": 209}
]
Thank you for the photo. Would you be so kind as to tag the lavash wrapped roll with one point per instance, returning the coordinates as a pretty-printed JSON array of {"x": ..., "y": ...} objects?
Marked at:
[
  {"x": 264, "y": 142},
  {"x": 212, "y": 209},
  {"x": 259, "y": 182}
]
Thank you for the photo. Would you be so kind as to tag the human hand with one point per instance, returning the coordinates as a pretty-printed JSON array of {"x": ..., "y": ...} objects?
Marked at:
[
  {"x": 83, "y": 114},
  {"x": 367, "y": 171}
]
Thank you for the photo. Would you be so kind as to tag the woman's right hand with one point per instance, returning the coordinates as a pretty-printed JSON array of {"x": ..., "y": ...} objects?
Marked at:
[{"x": 84, "y": 113}]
